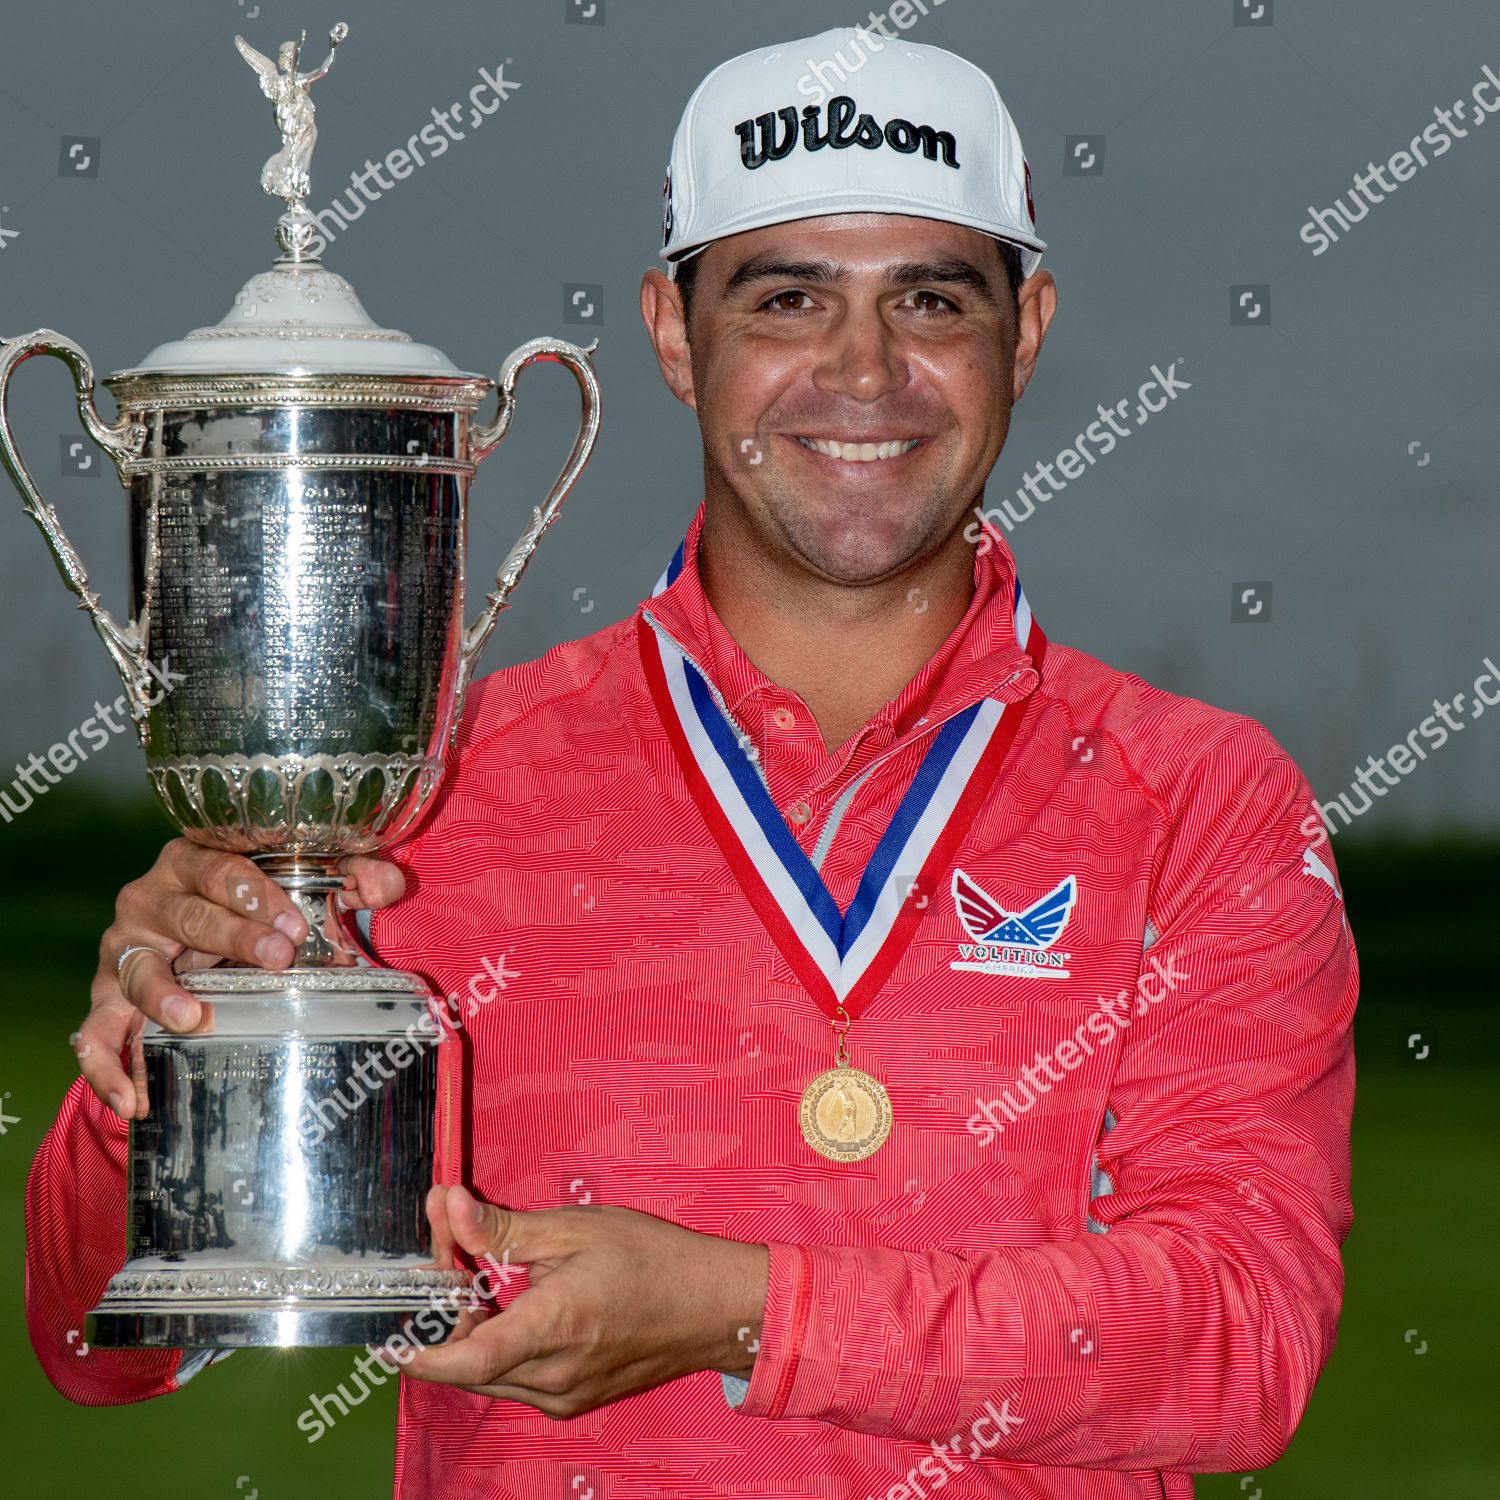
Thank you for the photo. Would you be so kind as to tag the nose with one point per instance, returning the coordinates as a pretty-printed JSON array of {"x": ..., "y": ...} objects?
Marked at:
[{"x": 862, "y": 358}]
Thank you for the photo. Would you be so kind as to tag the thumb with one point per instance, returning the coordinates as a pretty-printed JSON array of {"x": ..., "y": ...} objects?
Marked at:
[{"x": 509, "y": 1235}]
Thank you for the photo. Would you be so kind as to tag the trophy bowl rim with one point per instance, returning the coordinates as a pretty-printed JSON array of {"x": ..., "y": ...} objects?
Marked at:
[{"x": 195, "y": 389}]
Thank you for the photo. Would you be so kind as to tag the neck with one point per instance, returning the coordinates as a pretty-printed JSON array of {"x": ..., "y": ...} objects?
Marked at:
[{"x": 845, "y": 650}]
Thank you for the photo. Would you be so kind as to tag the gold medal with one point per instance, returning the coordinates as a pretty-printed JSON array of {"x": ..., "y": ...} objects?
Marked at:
[{"x": 846, "y": 1113}]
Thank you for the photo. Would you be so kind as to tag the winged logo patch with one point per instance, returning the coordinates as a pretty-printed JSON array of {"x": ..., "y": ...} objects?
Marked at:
[{"x": 1013, "y": 942}]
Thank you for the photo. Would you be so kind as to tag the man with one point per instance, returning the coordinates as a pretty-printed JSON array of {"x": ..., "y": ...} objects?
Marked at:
[{"x": 955, "y": 1030}]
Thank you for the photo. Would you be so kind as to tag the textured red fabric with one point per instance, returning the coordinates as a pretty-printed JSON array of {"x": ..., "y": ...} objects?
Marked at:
[{"x": 1137, "y": 1277}]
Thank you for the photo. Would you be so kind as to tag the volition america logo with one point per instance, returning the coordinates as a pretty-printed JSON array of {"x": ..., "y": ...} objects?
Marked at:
[{"x": 1013, "y": 942}]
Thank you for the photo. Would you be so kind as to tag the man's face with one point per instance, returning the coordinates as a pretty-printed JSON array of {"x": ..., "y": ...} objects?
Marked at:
[{"x": 853, "y": 377}]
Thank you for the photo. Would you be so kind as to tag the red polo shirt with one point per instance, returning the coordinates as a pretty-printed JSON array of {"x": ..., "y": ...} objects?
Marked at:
[{"x": 1100, "y": 1248}]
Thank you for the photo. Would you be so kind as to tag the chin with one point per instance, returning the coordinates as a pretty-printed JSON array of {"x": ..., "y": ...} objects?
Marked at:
[
  {"x": 851, "y": 550},
  {"x": 852, "y": 537}
]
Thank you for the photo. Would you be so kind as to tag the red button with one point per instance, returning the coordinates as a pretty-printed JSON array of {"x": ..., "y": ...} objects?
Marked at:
[
  {"x": 784, "y": 718},
  {"x": 799, "y": 812}
]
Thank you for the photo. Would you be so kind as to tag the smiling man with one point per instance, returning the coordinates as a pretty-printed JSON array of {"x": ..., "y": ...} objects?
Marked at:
[{"x": 949, "y": 1033}]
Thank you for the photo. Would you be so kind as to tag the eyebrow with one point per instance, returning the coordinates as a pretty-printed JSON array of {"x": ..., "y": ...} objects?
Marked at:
[{"x": 953, "y": 271}]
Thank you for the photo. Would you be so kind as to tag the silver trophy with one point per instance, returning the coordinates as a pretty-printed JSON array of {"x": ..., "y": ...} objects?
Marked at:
[{"x": 298, "y": 479}]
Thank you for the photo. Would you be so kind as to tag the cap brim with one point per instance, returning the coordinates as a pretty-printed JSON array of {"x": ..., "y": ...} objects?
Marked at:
[{"x": 862, "y": 202}]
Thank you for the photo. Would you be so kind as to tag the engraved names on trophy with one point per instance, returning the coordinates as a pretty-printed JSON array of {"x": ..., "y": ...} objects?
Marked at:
[
  {"x": 314, "y": 536},
  {"x": 196, "y": 600}
]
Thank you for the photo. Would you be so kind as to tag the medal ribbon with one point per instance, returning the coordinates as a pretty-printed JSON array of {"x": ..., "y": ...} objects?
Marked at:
[{"x": 841, "y": 959}]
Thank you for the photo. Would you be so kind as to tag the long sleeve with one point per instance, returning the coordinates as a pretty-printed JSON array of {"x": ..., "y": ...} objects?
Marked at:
[
  {"x": 1186, "y": 1325},
  {"x": 75, "y": 1241}
]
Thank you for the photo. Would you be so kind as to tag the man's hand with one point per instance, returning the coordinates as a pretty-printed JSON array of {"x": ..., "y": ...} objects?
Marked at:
[
  {"x": 618, "y": 1302},
  {"x": 194, "y": 907}
]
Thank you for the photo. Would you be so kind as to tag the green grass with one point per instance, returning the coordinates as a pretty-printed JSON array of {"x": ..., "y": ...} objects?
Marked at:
[{"x": 1384, "y": 1422}]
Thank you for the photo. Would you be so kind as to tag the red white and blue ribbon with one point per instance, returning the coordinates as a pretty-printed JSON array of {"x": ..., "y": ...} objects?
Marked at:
[{"x": 842, "y": 958}]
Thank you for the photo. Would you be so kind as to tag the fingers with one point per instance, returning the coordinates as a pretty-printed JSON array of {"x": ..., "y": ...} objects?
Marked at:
[
  {"x": 560, "y": 1408},
  {"x": 488, "y": 1348},
  {"x": 148, "y": 983},
  {"x": 98, "y": 1044},
  {"x": 198, "y": 901},
  {"x": 190, "y": 960},
  {"x": 465, "y": 1321},
  {"x": 234, "y": 882},
  {"x": 202, "y": 905},
  {"x": 194, "y": 907},
  {"x": 141, "y": 1099},
  {"x": 372, "y": 883},
  {"x": 402, "y": 1347},
  {"x": 225, "y": 904},
  {"x": 197, "y": 921}
]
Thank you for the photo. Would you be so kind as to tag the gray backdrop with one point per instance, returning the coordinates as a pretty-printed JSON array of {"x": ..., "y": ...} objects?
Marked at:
[{"x": 1336, "y": 442}]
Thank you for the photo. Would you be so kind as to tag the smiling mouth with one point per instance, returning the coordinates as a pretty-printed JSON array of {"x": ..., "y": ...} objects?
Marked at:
[{"x": 859, "y": 453}]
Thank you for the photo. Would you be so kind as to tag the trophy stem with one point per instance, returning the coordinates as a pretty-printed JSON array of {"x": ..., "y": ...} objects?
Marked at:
[{"x": 311, "y": 880}]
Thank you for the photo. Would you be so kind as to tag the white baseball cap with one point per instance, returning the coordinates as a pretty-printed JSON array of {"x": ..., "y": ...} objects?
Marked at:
[{"x": 854, "y": 120}]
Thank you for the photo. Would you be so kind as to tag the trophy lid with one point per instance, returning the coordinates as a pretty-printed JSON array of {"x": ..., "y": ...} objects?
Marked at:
[{"x": 296, "y": 318}]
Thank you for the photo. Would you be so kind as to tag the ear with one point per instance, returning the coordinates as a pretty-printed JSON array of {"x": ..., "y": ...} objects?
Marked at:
[
  {"x": 661, "y": 311},
  {"x": 1036, "y": 302}
]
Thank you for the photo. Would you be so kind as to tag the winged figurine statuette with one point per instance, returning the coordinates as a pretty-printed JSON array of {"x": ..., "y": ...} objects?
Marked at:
[{"x": 285, "y": 174}]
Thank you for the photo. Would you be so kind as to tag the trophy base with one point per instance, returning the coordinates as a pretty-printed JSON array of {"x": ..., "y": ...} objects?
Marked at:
[
  {"x": 277, "y": 1185},
  {"x": 420, "y": 1306}
]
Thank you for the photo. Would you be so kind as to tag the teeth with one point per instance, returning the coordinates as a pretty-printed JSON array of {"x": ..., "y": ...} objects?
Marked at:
[{"x": 862, "y": 453}]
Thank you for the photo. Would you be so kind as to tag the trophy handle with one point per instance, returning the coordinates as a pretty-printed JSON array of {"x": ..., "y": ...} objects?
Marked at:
[
  {"x": 483, "y": 441},
  {"x": 124, "y": 440}
]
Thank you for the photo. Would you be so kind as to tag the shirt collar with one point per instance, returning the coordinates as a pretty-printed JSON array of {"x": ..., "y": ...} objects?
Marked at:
[{"x": 980, "y": 658}]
